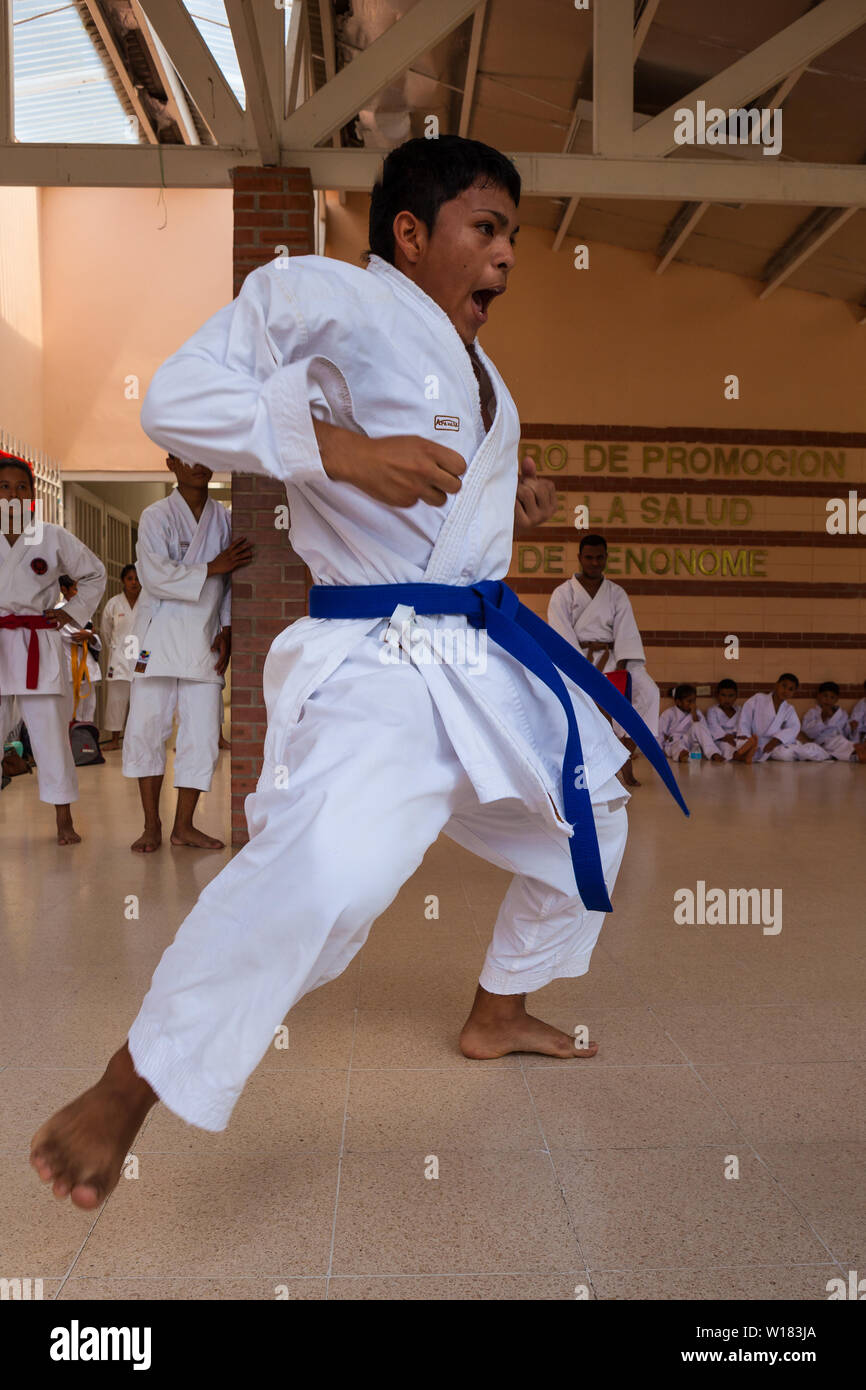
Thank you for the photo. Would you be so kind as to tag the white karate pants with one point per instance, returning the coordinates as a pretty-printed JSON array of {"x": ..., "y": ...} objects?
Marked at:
[
  {"x": 795, "y": 753},
  {"x": 152, "y": 703},
  {"x": 86, "y": 705},
  {"x": 47, "y": 718},
  {"x": 645, "y": 696},
  {"x": 364, "y": 783},
  {"x": 116, "y": 705},
  {"x": 837, "y": 746}
]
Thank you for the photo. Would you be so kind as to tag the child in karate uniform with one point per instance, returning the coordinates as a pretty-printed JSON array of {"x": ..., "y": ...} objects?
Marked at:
[
  {"x": 33, "y": 661},
  {"x": 683, "y": 729},
  {"x": 829, "y": 726},
  {"x": 723, "y": 718}
]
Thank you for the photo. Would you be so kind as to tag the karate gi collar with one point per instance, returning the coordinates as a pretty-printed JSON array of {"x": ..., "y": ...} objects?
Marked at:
[{"x": 412, "y": 292}]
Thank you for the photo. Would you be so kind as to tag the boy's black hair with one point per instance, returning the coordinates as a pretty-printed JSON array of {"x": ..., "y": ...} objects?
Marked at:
[
  {"x": 13, "y": 461},
  {"x": 728, "y": 684},
  {"x": 787, "y": 676},
  {"x": 420, "y": 175},
  {"x": 125, "y": 571},
  {"x": 828, "y": 685},
  {"x": 681, "y": 691},
  {"x": 591, "y": 540}
]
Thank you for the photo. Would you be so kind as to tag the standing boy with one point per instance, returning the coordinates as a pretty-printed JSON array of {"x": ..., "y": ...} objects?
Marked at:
[
  {"x": 33, "y": 662},
  {"x": 320, "y": 374},
  {"x": 185, "y": 555},
  {"x": 117, "y": 619}
]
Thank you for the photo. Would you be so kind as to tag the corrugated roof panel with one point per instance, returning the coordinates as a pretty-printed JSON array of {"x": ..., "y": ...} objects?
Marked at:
[
  {"x": 63, "y": 90},
  {"x": 213, "y": 25}
]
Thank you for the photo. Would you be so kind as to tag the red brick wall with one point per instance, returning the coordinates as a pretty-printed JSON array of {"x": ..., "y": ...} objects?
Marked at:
[{"x": 272, "y": 207}]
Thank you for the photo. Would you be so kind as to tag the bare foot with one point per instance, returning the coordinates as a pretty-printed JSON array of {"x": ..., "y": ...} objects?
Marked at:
[
  {"x": 196, "y": 839},
  {"x": 499, "y": 1024},
  {"x": 81, "y": 1149},
  {"x": 717, "y": 758},
  {"x": 223, "y": 743},
  {"x": 66, "y": 832},
  {"x": 746, "y": 751},
  {"x": 149, "y": 840},
  {"x": 628, "y": 777},
  {"x": 111, "y": 745},
  {"x": 684, "y": 757}
]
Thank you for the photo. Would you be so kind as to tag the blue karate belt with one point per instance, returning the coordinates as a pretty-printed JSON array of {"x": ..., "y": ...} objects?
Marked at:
[{"x": 490, "y": 604}]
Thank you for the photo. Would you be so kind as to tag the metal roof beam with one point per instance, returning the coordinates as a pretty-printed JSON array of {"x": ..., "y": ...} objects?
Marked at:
[
  {"x": 198, "y": 69},
  {"x": 613, "y": 78},
  {"x": 472, "y": 68},
  {"x": 419, "y": 30},
  {"x": 120, "y": 68},
  {"x": 255, "y": 36},
  {"x": 756, "y": 72}
]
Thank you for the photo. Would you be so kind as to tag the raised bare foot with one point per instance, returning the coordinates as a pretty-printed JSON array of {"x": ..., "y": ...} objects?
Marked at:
[
  {"x": 499, "y": 1024},
  {"x": 81, "y": 1149},
  {"x": 66, "y": 832},
  {"x": 149, "y": 840},
  {"x": 196, "y": 839}
]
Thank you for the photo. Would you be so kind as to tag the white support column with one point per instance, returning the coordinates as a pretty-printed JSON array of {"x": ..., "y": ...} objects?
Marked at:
[
  {"x": 7, "y": 75},
  {"x": 613, "y": 78},
  {"x": 294, "y": 56}
]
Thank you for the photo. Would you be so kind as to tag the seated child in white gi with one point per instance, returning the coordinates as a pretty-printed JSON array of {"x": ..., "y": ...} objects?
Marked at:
[
  {"x": 857, "y": 721},
  {"x": 683, "y": 729},
  {"x": 770, "y": 727},
  {"x": 723, "y": 718},
  {"x": 828, "y": 725}
]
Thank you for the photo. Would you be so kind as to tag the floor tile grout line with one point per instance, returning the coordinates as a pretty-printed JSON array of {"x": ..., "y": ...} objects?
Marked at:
[
  {"x": 562, "y": 1197},
  {"x": 772, "y": 1176},
  {"x": 343, "y": 1137},
  {"x": 77, "y": 1256}
]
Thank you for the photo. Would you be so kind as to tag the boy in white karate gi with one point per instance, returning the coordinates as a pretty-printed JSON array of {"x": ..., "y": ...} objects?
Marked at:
[
  {"x": 769, "y": 727},
  {"x": 185, "y": 555},
  {"x": 117, "y": 619},
  {"x": 723, "y": 718},
  {"x": 33, "y": 660},
  {"x": 829, "y": 726},
  {"x": 83, "y": 645},
  {"x": 857, "y": 721},
  {"x": 319, "y": 373},
  {"x": 683, "y": 729}
]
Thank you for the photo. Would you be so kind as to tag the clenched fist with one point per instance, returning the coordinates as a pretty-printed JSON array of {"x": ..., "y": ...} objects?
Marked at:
[{"x": 400, "y": 470}]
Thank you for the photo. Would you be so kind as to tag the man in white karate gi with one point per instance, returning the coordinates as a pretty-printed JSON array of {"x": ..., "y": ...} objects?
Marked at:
[
  {"x": 827, "y": 724},
  {"x": 769, "y": 727},
  {"x": 117, "y": 619},
  {"x": 857, "y": 720},
  {"x": 181, "y": 633},
  {"x": 366, "y": 393},
  {"x": 595, "y": 616},
  {"x": 33, "y": 661},
  {"x": 683, "y": 729}
]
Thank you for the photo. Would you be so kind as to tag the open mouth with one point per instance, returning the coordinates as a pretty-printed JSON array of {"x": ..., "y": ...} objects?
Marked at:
[{"x": 481, "y": 300}]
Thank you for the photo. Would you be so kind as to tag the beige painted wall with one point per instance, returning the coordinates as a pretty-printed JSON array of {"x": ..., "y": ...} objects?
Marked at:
[
  {"x": 21, "y": 400},
  {"x": 128, "y": 276}
]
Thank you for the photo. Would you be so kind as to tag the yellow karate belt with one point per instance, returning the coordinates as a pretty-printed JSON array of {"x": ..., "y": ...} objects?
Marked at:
[{"x": 80, "y": 673}]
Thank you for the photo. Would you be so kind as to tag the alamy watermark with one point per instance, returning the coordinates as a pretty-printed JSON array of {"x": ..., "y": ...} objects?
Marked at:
[
  {"x": 22, "y": 518},
  {"x": 438, "y": 646},
  {"x": 719, "y": 907}
]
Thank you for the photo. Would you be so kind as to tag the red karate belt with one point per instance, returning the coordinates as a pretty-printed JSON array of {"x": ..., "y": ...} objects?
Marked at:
[{"x": 34, "y": 623}]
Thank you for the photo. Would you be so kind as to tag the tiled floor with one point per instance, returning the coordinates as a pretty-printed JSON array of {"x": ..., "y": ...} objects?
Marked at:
[{"x": 369, "y": 1160}]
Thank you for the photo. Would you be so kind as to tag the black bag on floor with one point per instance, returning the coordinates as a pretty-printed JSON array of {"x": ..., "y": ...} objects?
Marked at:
[{"x": 84, "y": 739}]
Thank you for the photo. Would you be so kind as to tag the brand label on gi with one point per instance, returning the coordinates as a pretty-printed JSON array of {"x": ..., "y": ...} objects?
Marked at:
[{"x": 446, "y": 422}]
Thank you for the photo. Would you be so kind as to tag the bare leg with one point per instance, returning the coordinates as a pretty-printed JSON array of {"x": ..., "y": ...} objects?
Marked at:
[
  {"x": 151, "y": 837},
  {"x": 66, "y": 832},
  {"x": 81, "y": 1149},
  {"x": 746, "y": 751},
  {"x": 114, "y": 742},
  {"x": 499, "y": 1023},
  {"x": 183, "y": 831}
]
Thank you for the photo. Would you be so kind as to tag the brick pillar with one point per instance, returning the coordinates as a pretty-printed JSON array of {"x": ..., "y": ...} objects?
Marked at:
[{"x": 272, "y": 208}]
